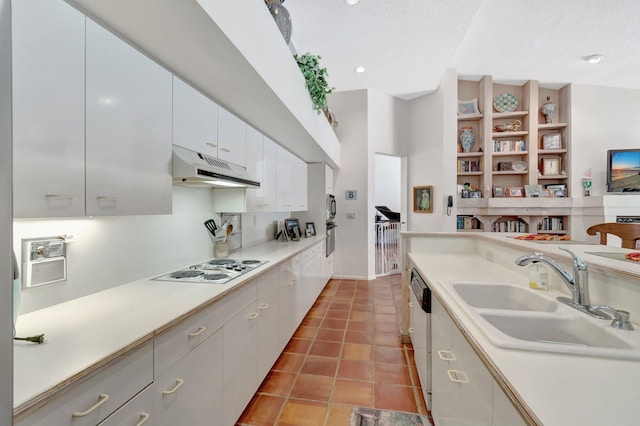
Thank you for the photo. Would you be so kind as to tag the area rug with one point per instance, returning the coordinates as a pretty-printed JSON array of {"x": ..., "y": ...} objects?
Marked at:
[{"x": 362, "y": 416}]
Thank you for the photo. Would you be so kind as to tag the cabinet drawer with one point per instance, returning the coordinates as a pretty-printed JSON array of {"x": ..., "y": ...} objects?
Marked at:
[
  {"x": 94, "y": 399},
  {"x": 136, "y": 412},
  {"x": 173, "y": 345}
]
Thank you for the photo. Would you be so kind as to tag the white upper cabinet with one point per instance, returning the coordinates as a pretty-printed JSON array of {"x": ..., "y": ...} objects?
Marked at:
[
  {"x": 284, "y": 190},
  {"x": 328, "y": 179},
  {"x": 195, "y": 119},
  {"x": 299, "y": 182},
  {"x": 232, "y": 137},
  {"x": 128, "y": 128},
  {"x": 48, "y": 109},
  {"x": 261, "y": 165}
]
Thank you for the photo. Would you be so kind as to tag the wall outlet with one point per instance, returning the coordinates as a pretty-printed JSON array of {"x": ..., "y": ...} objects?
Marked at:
[{"x": 351, "y": 215}]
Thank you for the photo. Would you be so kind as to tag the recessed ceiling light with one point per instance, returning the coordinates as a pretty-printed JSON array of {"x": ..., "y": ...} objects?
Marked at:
[
  {"x": 351, "y": 2},
  {"x": 359, "y": 69},
  {"x": 594, "y": 59}
]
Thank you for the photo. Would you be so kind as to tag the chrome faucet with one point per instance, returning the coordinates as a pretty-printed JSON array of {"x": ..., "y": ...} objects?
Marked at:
[{"x": 578, "y": 284}]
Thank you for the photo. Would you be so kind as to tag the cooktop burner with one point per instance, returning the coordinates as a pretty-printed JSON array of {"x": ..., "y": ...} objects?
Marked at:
[
  {"x": 186, "y": 274},
  {"x": 215, "y": 271}
]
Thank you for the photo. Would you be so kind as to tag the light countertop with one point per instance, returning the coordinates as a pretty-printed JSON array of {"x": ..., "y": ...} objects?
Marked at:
[
  {"x": 86, "y": 333},
  {"x": 559, "y": 389}
]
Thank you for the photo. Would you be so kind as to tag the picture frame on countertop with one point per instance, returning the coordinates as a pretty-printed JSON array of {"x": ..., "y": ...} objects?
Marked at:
[
  {"x": 552, "y": 141},
  {"x": 546, "y": 193},
  {"x": 311, "y": 229},
  {"x": 292, "y": 227},
  {"x": 469, "y": 107},
  {"x": 514, "y": 191},
  {"x": 423, "y": 199},
  {"x": 551, "y": 166},
  {"x": 475, "y": 194}
]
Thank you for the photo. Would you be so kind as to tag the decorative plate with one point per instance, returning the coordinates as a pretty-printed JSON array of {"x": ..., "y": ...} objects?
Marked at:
[
  {"x": 505, "y": 102},
  {"x": 519, "y": 166}
]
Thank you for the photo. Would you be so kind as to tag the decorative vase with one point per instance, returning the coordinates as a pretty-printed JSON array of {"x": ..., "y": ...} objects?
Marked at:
[
  {"x": 467, "y": 137},
  {"x": 547, "y": 109},
  {"x": 281, "y": 16}
]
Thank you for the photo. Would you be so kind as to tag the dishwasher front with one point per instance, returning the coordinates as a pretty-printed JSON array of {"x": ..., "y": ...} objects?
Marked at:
[{"x": 420, "y": 331}]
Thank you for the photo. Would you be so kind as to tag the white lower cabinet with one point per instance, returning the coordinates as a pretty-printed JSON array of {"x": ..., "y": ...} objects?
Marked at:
[
  {"x": 289, "y": 289},
  {"x": 269, "y": 306},
  {"x": 463, "y": 390},
  {"x": 190, "y": 392},
  {"x": 240, "y": 361},
  {"x": 93, "y": 400}
]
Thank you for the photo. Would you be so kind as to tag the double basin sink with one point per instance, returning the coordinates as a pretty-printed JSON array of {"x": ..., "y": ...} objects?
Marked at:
[{"x": 516, "y": 317}]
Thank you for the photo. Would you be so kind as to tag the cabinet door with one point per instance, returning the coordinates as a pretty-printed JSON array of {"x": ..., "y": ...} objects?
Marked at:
[
  {"x": 296, "y": 268},
  {"x": 284, "y": 189},
  {"x": 232, "y": 136},
  {"x": 128, "y": 129},
  {"x": 48, "y": 45},
  {"x": 255, "y": 168},
  {"x": 269, "y": 341},
  {"x": 328, "y": 179},
  {"x": 195, "y": 119},
  {"x": 190, "y": 392},
  {"x": 299, "y": 182},
  {"x": 268, "y": 183},
  {"x": 240, "y": 361},
  {"x": 288, "y": 289}
]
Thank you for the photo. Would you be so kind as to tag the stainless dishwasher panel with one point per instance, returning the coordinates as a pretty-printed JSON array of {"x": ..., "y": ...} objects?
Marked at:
[{"x": 331, "y": 239}]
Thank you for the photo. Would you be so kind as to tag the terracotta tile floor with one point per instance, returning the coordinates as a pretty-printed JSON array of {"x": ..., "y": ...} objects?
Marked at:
[{"x": 346, "y": 352}]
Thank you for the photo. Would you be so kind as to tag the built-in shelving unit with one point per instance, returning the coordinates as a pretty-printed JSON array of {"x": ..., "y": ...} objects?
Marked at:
[{"x": 519, "y": 176}]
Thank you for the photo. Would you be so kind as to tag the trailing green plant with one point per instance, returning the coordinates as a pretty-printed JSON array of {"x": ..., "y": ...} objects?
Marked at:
[{"x": 316, "y": 79}]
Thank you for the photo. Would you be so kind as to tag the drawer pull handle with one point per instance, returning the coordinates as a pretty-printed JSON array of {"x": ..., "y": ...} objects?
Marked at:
[
  {"x": 411, "y": 304},
  {"x": 102, "y": 398},
  {"x": 411, "y": 330},
  {"x": 263, "y": 306},
  {"x": 61, "y": 196},
  {"x": 446, "y": 355},
  {"x": 201, "y": 329},
  {"x": 253, "y": 316},
  {"x": 143, "y": 419},
  {"x": 225, "y": 149},
  {"x": 213, "y": 145},
  {"x": 179, "y": 383},
  {"x": 457, "y": 376},
  {"x": 292, "y": 282}
]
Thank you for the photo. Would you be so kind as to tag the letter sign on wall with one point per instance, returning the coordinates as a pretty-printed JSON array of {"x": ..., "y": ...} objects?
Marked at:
[{"x": 351, "y": 194}]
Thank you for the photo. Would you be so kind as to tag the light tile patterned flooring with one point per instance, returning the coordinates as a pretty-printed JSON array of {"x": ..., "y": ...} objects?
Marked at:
[{"x": 346, "y": 352}]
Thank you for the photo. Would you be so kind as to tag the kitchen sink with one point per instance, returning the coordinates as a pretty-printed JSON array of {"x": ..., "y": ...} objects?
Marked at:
[
  {"x": 551, "y": 330},
  {"x": 503, "y": 296}
]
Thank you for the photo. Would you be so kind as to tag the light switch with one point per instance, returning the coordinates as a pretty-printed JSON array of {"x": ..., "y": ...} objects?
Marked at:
[{"x": 351, "y": 215}]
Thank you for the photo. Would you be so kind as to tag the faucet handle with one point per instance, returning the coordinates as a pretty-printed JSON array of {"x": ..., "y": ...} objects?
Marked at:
[
  {"x": 577, "y": 262},
  {"x": 621, "y": 318}
]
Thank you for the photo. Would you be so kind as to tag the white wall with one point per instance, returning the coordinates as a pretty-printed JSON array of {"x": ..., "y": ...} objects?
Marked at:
[
  {"x": 260, "y": 227},
  {"x": 387, "y": 182},
  {"x": 6, "y": 330},
  {"x": 433, "y": 149},
  {"x": 109, "y": 251}
]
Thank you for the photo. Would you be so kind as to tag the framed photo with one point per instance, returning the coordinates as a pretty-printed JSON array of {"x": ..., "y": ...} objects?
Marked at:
[
  {"x": 475, "y": 194},
  {"x": 311, "y": 229},
  {"x": 468, "y": 107},
  {"x": 293, "y": 228},
  {"x": 546, "y": 193},
  {"x": 533, "y": 191},
  {"x": 552, "y": 141},
  {"x": 551, "y": 166},
  {"x": 498, "y": 191},
  {"x": 423, "y": 199},
  {"x": 514, "y": 191}
]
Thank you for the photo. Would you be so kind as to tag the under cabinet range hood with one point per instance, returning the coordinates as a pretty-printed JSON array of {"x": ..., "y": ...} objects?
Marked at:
[{"x": 191, "y": 168}]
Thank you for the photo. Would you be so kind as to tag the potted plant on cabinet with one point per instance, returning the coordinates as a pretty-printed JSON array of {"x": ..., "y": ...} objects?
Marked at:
[{"x": 316, "y": 79}]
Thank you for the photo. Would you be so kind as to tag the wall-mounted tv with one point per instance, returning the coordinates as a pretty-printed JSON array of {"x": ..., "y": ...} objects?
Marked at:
[{"x": 623, "y": 170}]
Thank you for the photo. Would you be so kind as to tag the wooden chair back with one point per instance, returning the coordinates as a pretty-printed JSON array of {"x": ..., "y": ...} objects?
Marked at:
[{"x": 629, "y": 233}]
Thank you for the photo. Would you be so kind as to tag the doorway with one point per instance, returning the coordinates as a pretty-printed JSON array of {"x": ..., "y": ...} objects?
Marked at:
[{"x": 387, "y": 200}]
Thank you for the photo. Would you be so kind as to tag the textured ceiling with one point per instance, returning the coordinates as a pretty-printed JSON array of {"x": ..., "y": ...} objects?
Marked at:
[{"x": 406, "y": 45}]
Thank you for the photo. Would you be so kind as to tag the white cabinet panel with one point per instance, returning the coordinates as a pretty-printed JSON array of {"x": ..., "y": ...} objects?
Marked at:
[
  {"x": 232, "y": 136},
  {"x": 261, "y": 164},
  {"x": 195, "y": 119},
  {"x": 190, "y": 392},
  {"x": 504, "y": 413},
  {"x": 328, "y": 179},
  {"x": 48, "y": 109},
  {"x": 136, "y": 412},
  {"x": 128, "y": 128},
  {"x": 240, "y": 360},
  {"x": 93, "y": 400},
  {"x": 284, "y": 190},
  {"x": 288, "y": 296},
  {"x": 269, "y": 340},
  {"x": 299, "y": 182},
  {"x": 268, "y": 183}
]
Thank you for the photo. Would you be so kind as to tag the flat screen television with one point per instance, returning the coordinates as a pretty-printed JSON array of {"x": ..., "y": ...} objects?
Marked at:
[{"x": 623, "y": 170}]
